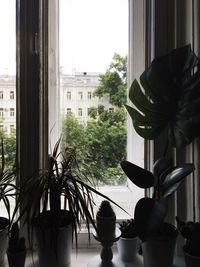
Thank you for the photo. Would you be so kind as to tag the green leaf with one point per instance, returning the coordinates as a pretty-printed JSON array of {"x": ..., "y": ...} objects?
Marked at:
[
  {"x": 149, "y": 215},
  {"x": 139, "y": 176}
]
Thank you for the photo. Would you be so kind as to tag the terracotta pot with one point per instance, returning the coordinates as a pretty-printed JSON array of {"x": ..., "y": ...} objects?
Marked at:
[
  {"x": 3, "y": 239},
  {"x": 16, "y": 259},
  {"x": 191, "y": 261},
  {"x": 160, "y": 251},
  {"x": 127, "y": 248}
]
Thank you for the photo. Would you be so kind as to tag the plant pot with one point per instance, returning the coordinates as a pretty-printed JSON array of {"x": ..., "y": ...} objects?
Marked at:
[
  {"x": 54, "y": 244},
  {"x": 3, "y": 239},
  {"x": 127, "y": 248},
  {"x": 190, "y": 260},
  {"x": 106, "y": 227},
  {"x": 16, "y": 259},
  {"x": 159, "y": 250}
]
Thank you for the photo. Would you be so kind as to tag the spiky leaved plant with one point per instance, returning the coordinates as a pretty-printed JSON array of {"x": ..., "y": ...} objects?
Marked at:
[
  {"x": 8, "y": 189},
  {"x": 61, "y": 179}
]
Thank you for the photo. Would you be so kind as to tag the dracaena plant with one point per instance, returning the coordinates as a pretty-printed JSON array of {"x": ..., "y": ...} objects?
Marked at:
[
  {"x": 8, "y": 188},
  {"x": 164, "y": 180},
  {"x": 61, "y": 179},
  {"x": 169, "y": 98}
]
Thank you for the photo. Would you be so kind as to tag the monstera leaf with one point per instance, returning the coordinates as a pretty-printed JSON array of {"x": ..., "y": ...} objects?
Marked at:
[{"x": 170, "y": 98}]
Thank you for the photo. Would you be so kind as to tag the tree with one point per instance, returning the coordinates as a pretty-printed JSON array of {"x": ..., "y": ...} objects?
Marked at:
[
  {"x": 101, "y": 142},
  {"x": 106, "y": 138},
  {"x": 9, "y": 141},
  {"x": 113, "y": 82}
]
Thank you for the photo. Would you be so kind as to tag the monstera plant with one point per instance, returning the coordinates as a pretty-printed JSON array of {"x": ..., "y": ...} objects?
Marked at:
[{"x": 170, "y": 98}]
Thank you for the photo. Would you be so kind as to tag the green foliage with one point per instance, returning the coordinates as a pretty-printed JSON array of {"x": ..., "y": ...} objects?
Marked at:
[
  {"x": 128, "y": 229},
  {"x": 170, "y": 98},
  {"x": 113, "y": 82},
  {"x": 9, "y": 149},
  {"x": 100, "y": 144},
  {"x": 7, "y": 180},
  {"x": 165, "y": 180}
]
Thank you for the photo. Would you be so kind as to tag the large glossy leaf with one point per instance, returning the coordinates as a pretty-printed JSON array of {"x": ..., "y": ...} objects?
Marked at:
[
  {"x": 139, "y": 176},
  {"x": 170, "y": 98},
  {"x": 149, "y": 215},
  {"x": 178, "y": 174}
]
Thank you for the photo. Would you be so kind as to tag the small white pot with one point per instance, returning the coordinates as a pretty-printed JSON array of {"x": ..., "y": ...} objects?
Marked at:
[{"x": 127, "y": 248}]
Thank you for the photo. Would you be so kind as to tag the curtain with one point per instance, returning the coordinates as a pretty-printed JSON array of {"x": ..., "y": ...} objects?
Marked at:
[{"x": 156, "y": 27}]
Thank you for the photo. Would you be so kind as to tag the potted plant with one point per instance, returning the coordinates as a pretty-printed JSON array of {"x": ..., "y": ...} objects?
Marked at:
[
  {"x": 128, "y": 243},
  {"x": 106, "y": 221},
  {"x": 190, "y": 231},
  {"x": 150, "y": 212},
  {"x": 7, "y": 190},
  {"x": 168, "y": 102},
  {"x": 57, "y": 221},
  {"x": 16, "y": 252}
]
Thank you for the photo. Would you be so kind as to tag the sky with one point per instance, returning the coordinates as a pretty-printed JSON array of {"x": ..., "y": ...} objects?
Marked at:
[{"x": 91, "y": 31}]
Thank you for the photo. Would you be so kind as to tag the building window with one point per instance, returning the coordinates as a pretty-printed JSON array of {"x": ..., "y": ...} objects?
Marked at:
[
  {"x": 69, "y": 95},
  {"x": 80, "y": 112},
  {"x": 1, "y": 94},
  {"x": 69, "y": 110},
  {"x": 12, "y": 129},
  {"x": 111, "y": 109},
  {"x": 80, "y": 95},
  {"x": 1, "y": 113},
  {"x": 89, "y": 95},
  {"x": 12, "y": 112},
  {"x": 12, "y": 96}
]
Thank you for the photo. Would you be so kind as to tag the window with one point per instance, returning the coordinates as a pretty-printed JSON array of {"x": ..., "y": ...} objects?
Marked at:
[
  {"x": 1, "y": 112},
  {"x": 80, "y": 112},
  {"x": 12, "y": 96},
  {"x": 89, "y": 95},
  {"x": 12, "y": 112},
  {"x": 69, "y": 110},
  {"x": 12, "y": 129},
  {"x": 111, "y": 109},
  {"x": 69, "y": 95},
  {"x": 1, "y": 94},
  {"x": 80, "y": 95}
]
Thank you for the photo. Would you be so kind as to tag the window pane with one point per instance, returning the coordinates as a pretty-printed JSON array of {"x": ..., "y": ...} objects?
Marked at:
[
  {"x": 7, "y": 86},
  {"x": 93, "y": 64}
]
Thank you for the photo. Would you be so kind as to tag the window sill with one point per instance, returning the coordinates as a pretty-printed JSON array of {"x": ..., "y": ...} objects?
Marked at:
[{"x": 84, "y": 256}]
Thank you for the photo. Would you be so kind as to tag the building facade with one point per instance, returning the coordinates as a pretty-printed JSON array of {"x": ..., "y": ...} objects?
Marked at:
[
  {"x": 76, "y": 96},
  {"x": 7, "y": 103}
]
